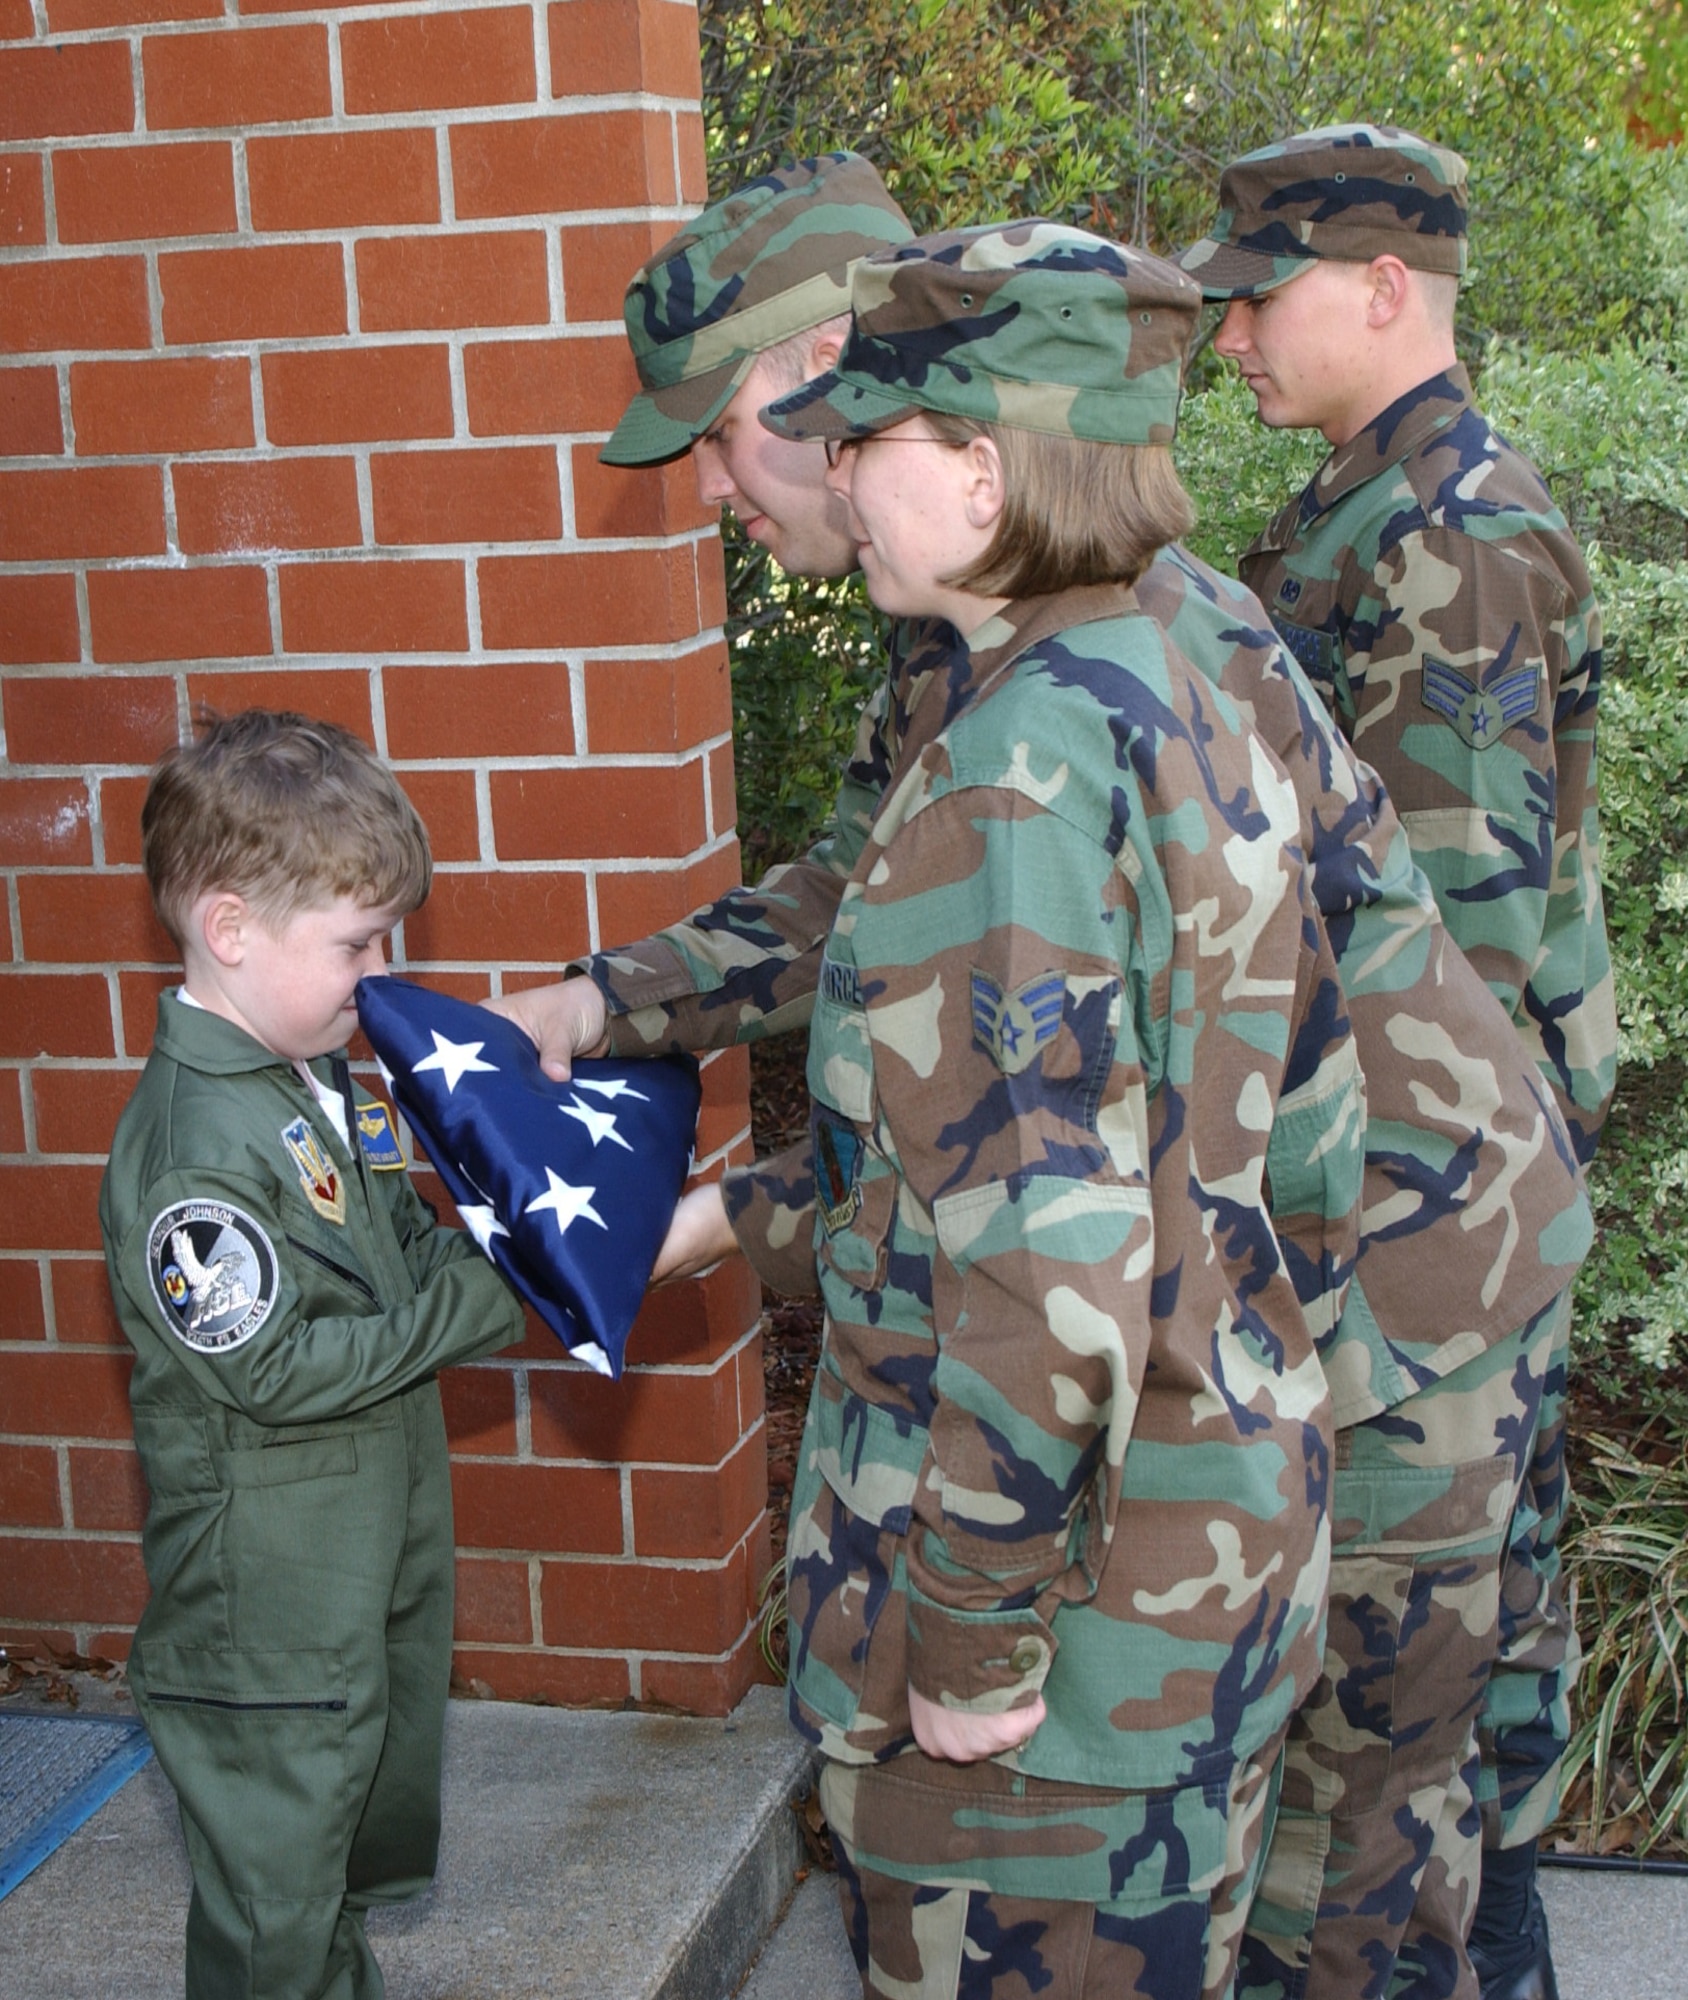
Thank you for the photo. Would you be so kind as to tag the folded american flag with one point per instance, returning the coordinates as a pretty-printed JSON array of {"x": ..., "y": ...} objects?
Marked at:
[{"x": 568, "y": 1187}]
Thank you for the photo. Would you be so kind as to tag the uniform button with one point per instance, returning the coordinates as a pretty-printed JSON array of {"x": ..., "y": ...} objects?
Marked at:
[{"x": 1026, "y": 1656}]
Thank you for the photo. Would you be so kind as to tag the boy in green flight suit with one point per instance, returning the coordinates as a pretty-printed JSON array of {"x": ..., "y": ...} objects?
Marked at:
[{"x": 289, "y": 1299}]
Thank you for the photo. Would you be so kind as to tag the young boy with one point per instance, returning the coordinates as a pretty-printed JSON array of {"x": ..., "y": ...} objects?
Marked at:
[{"x": 289, "y": 1299}]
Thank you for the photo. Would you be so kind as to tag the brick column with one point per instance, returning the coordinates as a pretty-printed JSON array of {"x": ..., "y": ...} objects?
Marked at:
[{"x": 309, "y": 329}]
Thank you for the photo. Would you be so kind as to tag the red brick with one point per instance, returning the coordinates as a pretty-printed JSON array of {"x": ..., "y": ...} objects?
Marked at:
[
  {"x": 29, "y": 411},
  {"x": 647, "y": 1606},
  {"x": 241, "y": 76},
  {"x": 486, "y": 710},
  {"x": 654, "y": 1419},
  {"x": 44, "y": 823},
  {"x": 76, "y": 1110},
  {"x": 722, "y": 793},
  {"x": 38, "y": 622},
  {"x": 22, "y": 1315},
  {"x": 374, "y": 607},
  {"x": 337, "y": 694},
  {"x": 89, "y": 719},
  {"x": 605, "y": 47},
  {"x": 173, "y": 404},
  {"x": 500, "y": 919},
  {"x": 267, "y": 503},
  {"x": 60, "y": 90},
  {"x": 343, "y": 180},
  {"x": 446, "y": 801},
  {"x": 68, "y": 919},
  {"x": 598, "y": 260},
  {"x": 23, "y": 201},
  {"x": 705, "y": 1687},
  {"x": 612, "y": 502},
  {"x": 107, "y": 1489},
  {"x": 82, "y": 1308},
  {"x": 672, "y": 705},
  {"x": 84, "y": 510},
  {"x": 634, "y": 902},
  {"x": 271, "y": 291},
  {"x": 480, "y": 1411},
  {"x": 437, "y": 60},
  {"x": 619, "y": 597},
  {"x": 700, "y": 1515},
  {"x": 560, "y": 164},
  {"x": 29, "y": 1487},
  {"x": 17, "y": 21},
  {"x": 432, "y": 497},
  {"x": 138, "y": 996},
  {"x": 567, "y": 1680},
  {"x": 113, "y": 194},
  {"x": 720, "y": 1126},
  {"x": 494, "y": 1605},
  {"x": 178, "y": 614},
  {"x": 596, "y": 811},
  {"x": 52, "y": 1393},
  {"x": 691, "y": 145},
  {"x": 711, "y": 583},
  {"x": 516, "y": 1507},
  {"x": 74, "y": 303},
  {"x": 64, "y": 1577},
  {"x": 120, "y": 815},
  {"x": 357, "y": 394},
  {"x": 70, "y": 17},
  {"x": 697, "y": 1322},
  {"x": 496, "y": 279},
  {"x": 523, "y": 388},
  {"x": 12, "y": 1138}
]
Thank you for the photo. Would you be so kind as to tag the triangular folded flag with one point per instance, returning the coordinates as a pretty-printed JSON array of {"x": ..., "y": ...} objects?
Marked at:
[{"x": 568, "y": 1187}]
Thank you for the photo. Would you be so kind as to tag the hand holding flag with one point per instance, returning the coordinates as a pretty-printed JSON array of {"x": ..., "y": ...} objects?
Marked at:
[{"x": 568, "y": 1187}]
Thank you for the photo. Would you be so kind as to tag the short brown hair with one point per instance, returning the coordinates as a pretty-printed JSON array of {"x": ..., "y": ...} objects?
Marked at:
[
  {"x": 287, "y": 812},
  {"x": 1076, "y": 511}
]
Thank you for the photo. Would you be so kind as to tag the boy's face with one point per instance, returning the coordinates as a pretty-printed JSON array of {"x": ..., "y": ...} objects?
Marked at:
[{"x": 292, "y": 985}]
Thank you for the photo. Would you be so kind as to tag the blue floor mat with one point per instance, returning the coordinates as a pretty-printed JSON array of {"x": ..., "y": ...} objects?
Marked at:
[{"x": 55, "y": 1772}]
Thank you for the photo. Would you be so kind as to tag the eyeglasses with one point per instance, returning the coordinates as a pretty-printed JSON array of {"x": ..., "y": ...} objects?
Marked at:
[{"x": 835, "y": 448}]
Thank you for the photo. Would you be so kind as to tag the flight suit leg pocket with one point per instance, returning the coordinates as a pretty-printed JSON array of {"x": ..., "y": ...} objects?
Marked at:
[{"x": 255, "y": 1744}]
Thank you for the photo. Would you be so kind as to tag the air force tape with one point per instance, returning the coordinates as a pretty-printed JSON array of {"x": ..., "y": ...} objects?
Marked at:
[{"x": 213, "y": 1273}]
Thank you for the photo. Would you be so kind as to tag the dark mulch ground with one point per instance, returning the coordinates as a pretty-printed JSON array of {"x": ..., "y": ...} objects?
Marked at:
[{"x": 779, "y": 1114}]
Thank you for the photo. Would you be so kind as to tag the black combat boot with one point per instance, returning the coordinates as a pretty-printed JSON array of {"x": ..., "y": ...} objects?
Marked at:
[{"x": 1508, "y": 1945}]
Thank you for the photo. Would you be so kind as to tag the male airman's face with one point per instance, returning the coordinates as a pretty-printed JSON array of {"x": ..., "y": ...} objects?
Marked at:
[
  {"x": 1302, "y": 349},
  {"x": 775, "y": 486}
]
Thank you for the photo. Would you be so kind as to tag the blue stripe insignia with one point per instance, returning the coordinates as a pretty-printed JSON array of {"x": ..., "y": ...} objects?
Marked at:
[
  {"x": 1012, "y": 1027},
  {"x": 1480, "y": 715}
]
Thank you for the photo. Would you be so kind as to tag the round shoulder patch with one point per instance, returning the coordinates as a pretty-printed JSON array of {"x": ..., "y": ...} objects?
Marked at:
[{"x": 213, "y": 1273}]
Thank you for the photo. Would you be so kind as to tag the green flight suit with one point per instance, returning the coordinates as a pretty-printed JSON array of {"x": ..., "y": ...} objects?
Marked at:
[{"x": 289, "y": 1305}]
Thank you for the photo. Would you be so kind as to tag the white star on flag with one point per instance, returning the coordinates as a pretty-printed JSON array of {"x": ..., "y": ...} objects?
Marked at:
[
  {"x": 454, "y": 1060},
  {"x": 565, "y": 1203},
  {"x": 482, "y": 1224},
  {"x": 599, "y": 1124},
  {"x": 614, "y": 1086}
]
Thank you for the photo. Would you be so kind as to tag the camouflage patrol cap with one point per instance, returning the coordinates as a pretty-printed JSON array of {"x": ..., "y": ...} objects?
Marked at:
[
  {"x": 1030, "y": 324},
  {"x": 765, "y": 264},
  {"x": 1348, "y": 192}
]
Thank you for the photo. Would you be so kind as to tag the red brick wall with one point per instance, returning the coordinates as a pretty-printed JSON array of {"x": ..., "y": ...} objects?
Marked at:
[{"x": 309, "y": 329}]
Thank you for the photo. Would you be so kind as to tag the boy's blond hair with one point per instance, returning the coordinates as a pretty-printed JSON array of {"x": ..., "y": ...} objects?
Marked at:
[
  {"x": 1076, "y": 511},
  {"x": 287, "y": 812}
]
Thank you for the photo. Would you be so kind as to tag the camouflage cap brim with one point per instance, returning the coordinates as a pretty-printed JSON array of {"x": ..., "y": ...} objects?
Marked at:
[
  {"x": 1225, "y": 272},
  {"x": 663, "y": 424},
  {"x": 835, "y": 406}
]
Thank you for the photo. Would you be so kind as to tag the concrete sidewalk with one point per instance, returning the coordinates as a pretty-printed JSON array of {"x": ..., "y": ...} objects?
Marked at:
[
  {"x": 585, "y": 1857},
  {"x": 623, "y": 1857}
]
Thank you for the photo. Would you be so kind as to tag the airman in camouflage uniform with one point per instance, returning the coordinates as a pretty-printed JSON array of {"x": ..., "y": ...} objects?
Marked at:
[
  {"x": 1428, "y": 585},
  {"x": 1068, "y": 1433}
]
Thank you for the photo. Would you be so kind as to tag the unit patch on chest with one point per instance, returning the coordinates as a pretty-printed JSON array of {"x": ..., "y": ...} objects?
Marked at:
[
  {"x": 379, "y": 1141},
  {"x": 213, "y": 1273},
  {"x": 317, "y": 1175},
  {"x": 838, "y": 1162}
]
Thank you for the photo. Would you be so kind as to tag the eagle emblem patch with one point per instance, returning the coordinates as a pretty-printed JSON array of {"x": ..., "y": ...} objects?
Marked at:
[
  {"x": 379, "y": 1141},
  {"x": 838, "y": 1162},
  {"x": 213, "y": 1274},
  {"x": 1480, "y": 715},
  {"x": 1012, "y": 1027}
]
